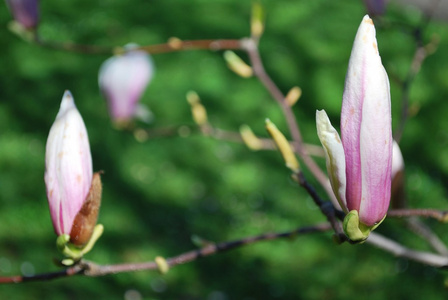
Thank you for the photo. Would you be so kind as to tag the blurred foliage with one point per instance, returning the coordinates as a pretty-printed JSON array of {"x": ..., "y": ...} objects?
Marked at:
[{"x": 159, "y": 193}]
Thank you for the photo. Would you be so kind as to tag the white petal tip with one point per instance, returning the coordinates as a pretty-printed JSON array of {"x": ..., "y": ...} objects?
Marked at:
[
  {"x": 66, "y": 103},
  {"x": 67, "y": 94},
  {"x": 367, "y": 19}
]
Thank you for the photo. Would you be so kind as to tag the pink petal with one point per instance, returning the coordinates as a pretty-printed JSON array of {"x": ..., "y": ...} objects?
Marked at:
[
  {"x": 68, "y": 165},
  {"x": 123, "y": 79},
  {"x": 366, "y": 128}
]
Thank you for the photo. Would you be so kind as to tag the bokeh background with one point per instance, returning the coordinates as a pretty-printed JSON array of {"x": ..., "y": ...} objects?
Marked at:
[{"x": 161, "y": 192}]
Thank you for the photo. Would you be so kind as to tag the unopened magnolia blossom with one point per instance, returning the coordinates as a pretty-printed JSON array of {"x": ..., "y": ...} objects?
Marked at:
[
  {"x": 68, "y": 166},
  {"x": 25, "y": 12},
  {"x": 123, "y": 79},
  {"x": 359, "y": 165}
]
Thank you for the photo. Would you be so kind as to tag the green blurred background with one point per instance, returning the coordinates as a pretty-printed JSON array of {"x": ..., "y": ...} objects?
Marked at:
[{"x": 159, "y": 193}]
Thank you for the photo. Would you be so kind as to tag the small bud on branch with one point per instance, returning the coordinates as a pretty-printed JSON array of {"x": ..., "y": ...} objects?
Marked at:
[{"x": 283, "y": 145}]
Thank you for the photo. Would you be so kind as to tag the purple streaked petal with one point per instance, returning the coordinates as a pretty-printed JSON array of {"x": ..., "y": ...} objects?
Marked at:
[
  {"x": 366, "y": 128},
  {"x": 25, "y": 12},
  {"x": 376, "y": 149},
  {"x": 351, "y": 112}
]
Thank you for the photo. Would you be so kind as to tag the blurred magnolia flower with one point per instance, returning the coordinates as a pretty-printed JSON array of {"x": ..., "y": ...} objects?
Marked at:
[
  {"x": 398, "y": 195},
  {"x": 397, "y": 160},
  {"x": 25, "y": 12},
  {"x": 360, "y": 165},
  {"x": 435, "y": 9},
  {"x": 375, "y": 7},
  {"x": 122, "y": 80},
  {"x": 68, "y": 166}
]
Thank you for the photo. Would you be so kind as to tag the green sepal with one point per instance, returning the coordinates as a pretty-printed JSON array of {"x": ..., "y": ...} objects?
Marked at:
[
  {"x": 75, "y": 253},
  {"x": 68, "y": 262},
  {"x": 27, "y": 34},
  {"x": 355, "y": 230}
]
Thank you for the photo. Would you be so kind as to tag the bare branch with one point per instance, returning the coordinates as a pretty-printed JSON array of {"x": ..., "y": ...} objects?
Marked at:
[
  {"x": 426, "y": 233},
  {"x": 209, "y": 130},
  {"x": 252, "y": 49},
  {"x": 179, "y": 45},
  {"x": 173, "y": 45},
  {"x": 421, "y": 53},
  {"x": 88, "y": 268},
  {"x": 77, "y": 269},
  {"x": 326, "y": 207},
  {"x": 439, "y": 215},
  {"x": 395, "y": 248}
]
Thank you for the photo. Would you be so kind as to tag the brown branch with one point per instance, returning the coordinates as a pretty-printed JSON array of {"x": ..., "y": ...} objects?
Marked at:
[
  {"x": 439, "y": 215},
  {"x": 88, "y": 268},
  {"x": 77, "y": 269},
  {"x": 266, "y": 143},
  {"x": 173, "y": 45},
  {"x": 72, "y": 47},
  {"x": 421, "y": 229},
  {"x": 398, "y": 250},
  {"x": 179, "y": 45},
  {"x": 252, "y": 49},
  {"x": 326, "y": 207},
  {"x": 421, "y": 53},
  {"x": 210, "y": 131}
]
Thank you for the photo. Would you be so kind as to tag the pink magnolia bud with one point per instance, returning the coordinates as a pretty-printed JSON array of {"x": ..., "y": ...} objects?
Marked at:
[
  {"x": 25, "y": 12},
  {"x": 68, "y": 166},
  {"x": 366, "y": 129},
  {"x": 359, "y": 164},
  {"x": 122, "y": 80}
]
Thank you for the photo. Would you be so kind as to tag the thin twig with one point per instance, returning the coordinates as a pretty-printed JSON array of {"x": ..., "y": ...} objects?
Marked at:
[
  {"x": 88, "y": 268},
  {"x": 77, "y": 269},
  {"x": 439, "y": 215},
  {"x": 72, "y": 47},
  {"x": 398, "y": 250},
  {"x": 173, "y": 45},
  {"x": 179, "y": 45},
  {"x": 422, "y": 51},
  {"x": 426, "y": 233},
  {"x": 208, "y": 130},
  {"x": 252, "y": 49},
  {"x": 398, "y": 201},
  {"x": 326, "y": 207},
  {"x": 265, "y": 143},
  {"x": 208, "y": 250}
]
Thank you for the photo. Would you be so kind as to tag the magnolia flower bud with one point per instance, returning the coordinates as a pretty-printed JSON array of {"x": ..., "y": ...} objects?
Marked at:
[
  {"x": 359, "y": 164},
  {"x": 398, "y": 195},
  {"x": 122, "y": 80},
  {"x": 68, "y": 166},
  {"x": 25, "y": 12},
  {"x": 397, "y": 160}
]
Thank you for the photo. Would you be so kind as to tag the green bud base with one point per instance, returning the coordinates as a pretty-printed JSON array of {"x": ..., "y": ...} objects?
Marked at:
[
  {"x": 75, "y": 253},
  {"x": 355, "y": 230}
]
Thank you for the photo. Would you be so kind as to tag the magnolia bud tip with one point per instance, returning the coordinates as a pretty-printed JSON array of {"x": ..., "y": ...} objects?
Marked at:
[{"x": 367, "y": 19}]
